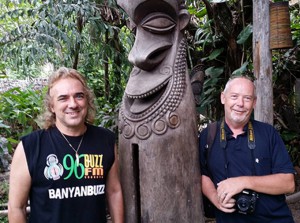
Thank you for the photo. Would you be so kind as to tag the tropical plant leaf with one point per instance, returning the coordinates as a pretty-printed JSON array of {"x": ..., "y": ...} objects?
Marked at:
[
  {"x": 244, "y": 35},
  {"x": 241, "y": 70},
  {"x": 214, "y": 72},
  {"x": 215, "y": 54}
]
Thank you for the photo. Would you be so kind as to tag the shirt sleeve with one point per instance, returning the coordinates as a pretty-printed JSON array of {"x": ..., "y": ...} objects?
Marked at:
[
  {"x": 281, "y": 161},
  {"x": 203, "y": 152}
]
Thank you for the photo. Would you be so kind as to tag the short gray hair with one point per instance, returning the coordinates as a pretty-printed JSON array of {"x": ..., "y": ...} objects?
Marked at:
[{"x": 241, "y": 76}]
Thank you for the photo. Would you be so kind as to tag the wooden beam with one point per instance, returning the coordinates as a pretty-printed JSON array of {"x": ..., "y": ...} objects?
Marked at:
[{"x": 262, "y": 61}]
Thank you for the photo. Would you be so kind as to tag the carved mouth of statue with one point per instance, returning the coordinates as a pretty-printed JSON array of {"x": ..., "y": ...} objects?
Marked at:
[{"x": 150, "y": 89}]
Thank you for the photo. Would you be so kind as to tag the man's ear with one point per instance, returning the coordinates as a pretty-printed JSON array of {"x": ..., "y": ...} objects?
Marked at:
[
  {"x": 222, "y": 97},
  {"x": 51, "y": 106},
  {"x": 184, "y": 18}
]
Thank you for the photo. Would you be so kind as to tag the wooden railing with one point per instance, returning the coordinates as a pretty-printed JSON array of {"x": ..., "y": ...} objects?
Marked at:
[{"x": 4, "y": 209}]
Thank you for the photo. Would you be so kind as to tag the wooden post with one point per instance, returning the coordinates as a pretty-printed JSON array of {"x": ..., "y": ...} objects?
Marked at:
[
  {"x": 262, "y": 61},
  {"x": 158, "y": 144}
]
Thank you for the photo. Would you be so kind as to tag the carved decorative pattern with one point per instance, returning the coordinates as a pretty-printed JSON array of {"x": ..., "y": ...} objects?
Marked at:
[{"x": 161, "y": 115}]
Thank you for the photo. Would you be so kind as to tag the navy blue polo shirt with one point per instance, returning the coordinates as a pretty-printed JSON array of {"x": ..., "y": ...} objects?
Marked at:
[{"x": 270, "y": 157}]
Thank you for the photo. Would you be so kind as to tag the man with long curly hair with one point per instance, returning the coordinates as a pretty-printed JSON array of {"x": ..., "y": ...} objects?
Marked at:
[{"x": 68, "y": 170}]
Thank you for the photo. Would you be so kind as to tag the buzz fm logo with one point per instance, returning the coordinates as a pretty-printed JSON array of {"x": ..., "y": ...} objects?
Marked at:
[
  {"x": 93, "y": 166},
  {"x": 90, "y": 168}
]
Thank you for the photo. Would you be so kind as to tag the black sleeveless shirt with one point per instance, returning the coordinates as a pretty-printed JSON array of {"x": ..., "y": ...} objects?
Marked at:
[{"x": 64, "y": 190}]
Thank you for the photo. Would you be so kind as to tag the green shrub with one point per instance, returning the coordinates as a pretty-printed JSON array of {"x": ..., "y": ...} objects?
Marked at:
[
  {"x": 3, "y": 199},
  {"x": 18, "y": 113}
]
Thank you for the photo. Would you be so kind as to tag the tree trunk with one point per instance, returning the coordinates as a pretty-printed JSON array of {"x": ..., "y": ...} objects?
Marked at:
[
  {"x": 106, "y": 70},
  {"x": 262, "y": 62},
  {"x": 77, "y": 46}
]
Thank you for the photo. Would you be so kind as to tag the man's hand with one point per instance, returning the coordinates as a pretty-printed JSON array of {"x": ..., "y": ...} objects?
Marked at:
[
  {"x": 228, "y": 188},
  {"x": 226, "y": 206}
]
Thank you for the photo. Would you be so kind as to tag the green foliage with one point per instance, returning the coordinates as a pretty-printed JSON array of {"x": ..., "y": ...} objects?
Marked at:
[
  {"x": 245, "y": 34},
  {"x": 18, "y": 112},
  {"x": 3, "y": 219},
  {"x": 3, "y": 199},
  {"x": 107, "y": 115},
  {"x": 60, "y": 32},
  {"x": 242, "y": 70},
  {"x": 286, "y": 68},
  {"x": 209, "y": 88},
  {"x": 295, "y": 23},
  {"x": 17, "y": 48},
  {"x": 292, "y": 141},
  {"x": 218, "y": 1}
]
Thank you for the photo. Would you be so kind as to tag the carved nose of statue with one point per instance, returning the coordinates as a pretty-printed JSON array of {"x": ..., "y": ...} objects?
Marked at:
[{"x": 147, "y": 57}]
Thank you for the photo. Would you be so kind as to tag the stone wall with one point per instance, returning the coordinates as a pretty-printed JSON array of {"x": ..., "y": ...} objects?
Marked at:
[
  {"x": 5, "y": 157},
  {"x": 6, "y": 84}
]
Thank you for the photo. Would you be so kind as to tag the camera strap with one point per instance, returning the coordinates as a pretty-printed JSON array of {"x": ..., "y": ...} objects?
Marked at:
[{"x": 251, "y": 145}]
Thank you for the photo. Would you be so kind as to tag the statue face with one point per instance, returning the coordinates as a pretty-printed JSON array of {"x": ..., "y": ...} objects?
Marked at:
[
  {"x": 158, "y": 25},
  {"x": 132, "y": 6}
]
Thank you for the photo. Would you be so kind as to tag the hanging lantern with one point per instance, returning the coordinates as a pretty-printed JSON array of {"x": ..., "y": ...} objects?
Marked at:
[{"x": 280, "y": 29}]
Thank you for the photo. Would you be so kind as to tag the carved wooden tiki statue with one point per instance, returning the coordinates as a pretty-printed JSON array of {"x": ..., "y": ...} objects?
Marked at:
[{"x": 157, "y": 121}]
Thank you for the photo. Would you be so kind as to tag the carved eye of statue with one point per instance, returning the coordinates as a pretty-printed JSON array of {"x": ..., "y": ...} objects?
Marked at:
[{"x": 158, "y": 23}]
